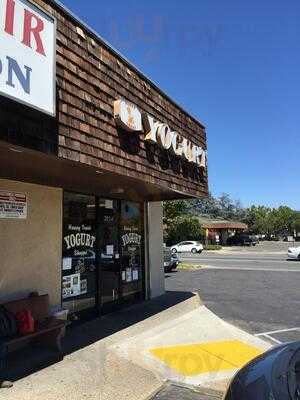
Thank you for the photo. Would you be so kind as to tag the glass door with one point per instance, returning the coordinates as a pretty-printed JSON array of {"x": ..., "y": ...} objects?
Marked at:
[
  {"x": 79, "y": 256},
  {"x": 108, "y": 254},
  {"x": 132, "y": 266},
  {"x": 102, "y": 266}
]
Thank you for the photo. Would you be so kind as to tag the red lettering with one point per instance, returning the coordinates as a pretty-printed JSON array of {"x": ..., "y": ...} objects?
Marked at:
[
  {"x": 10, "y": 17},
  {"x": 29, "y": 17}
]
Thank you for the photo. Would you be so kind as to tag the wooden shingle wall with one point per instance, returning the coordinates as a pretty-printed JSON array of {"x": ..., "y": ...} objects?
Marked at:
[{"x": 90, "y": 77}]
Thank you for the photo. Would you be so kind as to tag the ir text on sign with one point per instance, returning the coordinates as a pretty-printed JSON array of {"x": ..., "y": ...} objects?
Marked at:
[{"x": 27, "y": 54}]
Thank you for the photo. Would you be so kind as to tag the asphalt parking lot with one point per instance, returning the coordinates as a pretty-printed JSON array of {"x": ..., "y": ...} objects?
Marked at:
[{"x": 256, "y": 289}]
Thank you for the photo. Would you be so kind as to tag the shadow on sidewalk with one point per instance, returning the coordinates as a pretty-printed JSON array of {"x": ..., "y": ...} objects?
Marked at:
[
  {"x": 90, "y": 332},
  {"x": 32, "y": 359}
]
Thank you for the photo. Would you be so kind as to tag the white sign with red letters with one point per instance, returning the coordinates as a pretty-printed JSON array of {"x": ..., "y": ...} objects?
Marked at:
[
  {"x": 13, "y": 205},
  {"x": 27, "y": 57}
]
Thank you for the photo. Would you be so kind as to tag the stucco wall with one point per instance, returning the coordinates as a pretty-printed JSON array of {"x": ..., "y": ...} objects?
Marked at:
[
  {"x": 155, "y": 249},
  {"x": 31, "y": 249}
]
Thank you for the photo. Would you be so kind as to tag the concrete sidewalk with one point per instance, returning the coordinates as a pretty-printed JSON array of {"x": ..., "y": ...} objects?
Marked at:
[
  {"x": 127, "y": 355},
  {"x": 90, "y": 369},
  {"x": 197, "y": 348}
]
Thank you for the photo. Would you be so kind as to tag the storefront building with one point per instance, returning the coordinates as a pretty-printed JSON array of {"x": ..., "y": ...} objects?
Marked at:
[
  {"x": 89, "y": 147},
  {"x": 218, "y": 231}
]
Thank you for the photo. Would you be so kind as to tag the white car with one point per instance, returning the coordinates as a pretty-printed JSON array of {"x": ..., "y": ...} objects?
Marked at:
[
  {"x": 187, "y": 247},
  {"x": 294, "y": 253}
]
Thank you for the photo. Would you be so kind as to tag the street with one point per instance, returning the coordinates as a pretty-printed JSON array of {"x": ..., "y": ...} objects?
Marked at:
[{"x": 255, "y": 289}]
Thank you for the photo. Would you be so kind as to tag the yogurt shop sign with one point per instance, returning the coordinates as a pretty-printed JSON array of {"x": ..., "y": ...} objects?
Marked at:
[
  {"x": 130, "y": 118},
  {"x": 27, "y": 57}
]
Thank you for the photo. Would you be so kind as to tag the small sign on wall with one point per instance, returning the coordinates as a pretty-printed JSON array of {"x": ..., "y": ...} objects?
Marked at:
[{"x": 13, "y": 205}]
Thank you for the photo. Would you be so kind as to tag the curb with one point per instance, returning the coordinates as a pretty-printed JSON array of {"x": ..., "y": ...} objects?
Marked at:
[
  {"x": 199, "y": 300},
  {"x": 208, "y": 394},
  {"x": 157, "y": 391},
  {"x": 196, "y": 389}
]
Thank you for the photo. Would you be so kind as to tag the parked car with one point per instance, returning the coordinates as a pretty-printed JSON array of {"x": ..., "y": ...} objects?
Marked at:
[
  {"x": 261, "y": 237},
  {"x": 273, "y": 375},
  {"x": 288, "y": 238},
  {"x": 187, "y": 247},
  {"x": 255, "y": 239},
  {"x": 242, "y": 239},
  {"x": 272, "y": 238},
  {"x": 294, "y": 253},
  {"x": 171, "y": 260}
]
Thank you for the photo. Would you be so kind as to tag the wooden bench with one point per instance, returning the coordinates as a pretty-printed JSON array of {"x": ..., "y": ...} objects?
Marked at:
[{"x": 49, "y": 330}]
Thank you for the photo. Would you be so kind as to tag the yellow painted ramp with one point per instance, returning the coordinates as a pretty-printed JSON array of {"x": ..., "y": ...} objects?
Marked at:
[{"x": 195, "y": 359}]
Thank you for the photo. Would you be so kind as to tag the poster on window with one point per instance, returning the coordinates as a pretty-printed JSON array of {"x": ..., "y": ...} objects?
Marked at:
[
  {"x": 135, "y": 275},
  {"x": 13, "y": 205},
  {"x": 128, "y": 275},
  {"x": 71, "y": 286},
  {"x": 123, "y": 275},
  {"x": 83, "y": 286},
  {"x": 67, "y": 263}
]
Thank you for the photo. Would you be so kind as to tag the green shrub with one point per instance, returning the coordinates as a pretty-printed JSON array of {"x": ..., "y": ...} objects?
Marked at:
[
  {"x": 189, "y": 266},
  {"x": 213, "y": 247}
]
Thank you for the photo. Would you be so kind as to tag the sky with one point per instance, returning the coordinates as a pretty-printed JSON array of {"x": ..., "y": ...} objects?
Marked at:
[{"x": 235, "y": 66}]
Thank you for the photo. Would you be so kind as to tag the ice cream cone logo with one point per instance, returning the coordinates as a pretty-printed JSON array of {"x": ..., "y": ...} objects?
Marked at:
[
  {"x": 131, "y": 123},
  {"x": 128, "y": 116}
]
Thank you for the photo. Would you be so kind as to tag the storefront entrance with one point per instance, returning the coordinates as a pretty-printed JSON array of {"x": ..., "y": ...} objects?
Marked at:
[
  {"x": 109, "y": 255},
  {"x": 103, "y": 261}
]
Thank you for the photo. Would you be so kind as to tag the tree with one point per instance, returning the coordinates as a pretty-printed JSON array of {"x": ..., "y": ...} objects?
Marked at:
[
  {"x": 258, "y": 220},
  {"x": 205, "y": 206},
  {"x": 283, "y": 217},
  {"x": 220, "y": 207},
  {"x": 296, "y": 221},
  {"x": 280, "y": 221},
  {"x": 230, "y": 209},
  {"x": 183, "y": 228},
  {"x": 173, "y": 209}
]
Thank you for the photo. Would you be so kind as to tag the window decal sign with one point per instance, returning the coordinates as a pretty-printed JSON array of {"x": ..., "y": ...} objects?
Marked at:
[
  {"x": 13, "y": 205},
  {"x": 131, "y": 238},
  {"x": 27, "y": 59},
  {"x": 79, "y": 259}
]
